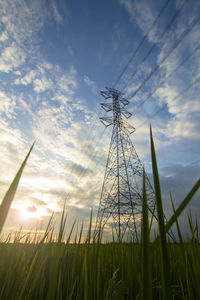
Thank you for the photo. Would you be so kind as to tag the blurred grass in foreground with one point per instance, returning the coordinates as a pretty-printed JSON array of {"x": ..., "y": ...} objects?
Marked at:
[{"x": 48, "y": 268}]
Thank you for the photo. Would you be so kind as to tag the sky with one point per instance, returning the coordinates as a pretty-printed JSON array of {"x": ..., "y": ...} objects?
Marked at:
[{"x": 55, "y": 58}]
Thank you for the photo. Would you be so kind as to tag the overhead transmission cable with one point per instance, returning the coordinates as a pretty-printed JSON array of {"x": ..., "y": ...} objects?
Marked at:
[
  {"x": 197, "y": 80},
  {"x": 141, "y": 42},
  {"x": 169, "y": 24},
  {"x": 167, "y": 78},
  {"x": 183, "y": 35}
]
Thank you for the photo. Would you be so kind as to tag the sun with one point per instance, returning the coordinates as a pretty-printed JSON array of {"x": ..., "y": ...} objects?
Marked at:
[{"x": 32, "y": 212}]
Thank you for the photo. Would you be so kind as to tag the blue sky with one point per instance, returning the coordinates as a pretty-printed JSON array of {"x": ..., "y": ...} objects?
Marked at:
[{"x": 55, "y": 57}]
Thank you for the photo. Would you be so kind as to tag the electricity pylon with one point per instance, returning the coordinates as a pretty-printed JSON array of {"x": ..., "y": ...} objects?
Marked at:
[{"x": 121, "y": 195}]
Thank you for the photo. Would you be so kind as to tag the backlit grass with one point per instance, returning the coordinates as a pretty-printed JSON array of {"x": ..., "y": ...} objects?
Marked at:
[{"x": 46, "y": 267}]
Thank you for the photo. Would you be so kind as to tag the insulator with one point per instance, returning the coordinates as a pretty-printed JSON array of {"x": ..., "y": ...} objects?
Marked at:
[
  {"x": 105, "y": 94},
  {"x": 124, "y": 101},
  {"x": 106, "y": 121},
  {"x": 106, "y": 106},
  {"x": 126, "y": 113}
]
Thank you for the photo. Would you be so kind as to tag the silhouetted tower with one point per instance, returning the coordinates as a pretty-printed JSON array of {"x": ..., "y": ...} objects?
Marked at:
[{"x": 121, "y": 195}]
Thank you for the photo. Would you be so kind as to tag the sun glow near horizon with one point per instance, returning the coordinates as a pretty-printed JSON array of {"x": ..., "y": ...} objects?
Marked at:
[{"x": 32, "y": 212}]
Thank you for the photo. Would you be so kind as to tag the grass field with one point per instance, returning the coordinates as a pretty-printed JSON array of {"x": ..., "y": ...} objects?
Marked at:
[
  {"x": 35, "y": 267},
  {"x": 111, "y": 271}
]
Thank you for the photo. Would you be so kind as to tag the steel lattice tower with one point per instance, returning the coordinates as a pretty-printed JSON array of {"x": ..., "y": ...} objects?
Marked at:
[{"x": 121, "y": 195}]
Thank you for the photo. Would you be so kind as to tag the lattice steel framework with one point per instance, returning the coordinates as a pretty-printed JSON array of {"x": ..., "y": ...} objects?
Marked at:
[{"x": 121, "y": 195}]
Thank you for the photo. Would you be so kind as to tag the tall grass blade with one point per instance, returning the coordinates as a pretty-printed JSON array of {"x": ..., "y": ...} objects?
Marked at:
[
  {"x": 182, "y": 206},
  {"x": 146, "y": 251},
  {"x": 62, "y": 225},
  {"x": 9, "y": 196},
  {"x": 56, "y": 254},
  {"x": 31, "y": 265},
  {"x": 89, "y": 229},
  {"x": 192, "y": 227},
  {"x": 152, "y": 217},
  {"x": 70, "y": 234},
  {"x": 80, "y": 235},
  {"x": 197, "y": 227},
  {"x": 72, "y": 290},
  {"x": 179, "y": 231},
  {"x": 177, "y": 224},
  {"x": 165, "y": 267}
]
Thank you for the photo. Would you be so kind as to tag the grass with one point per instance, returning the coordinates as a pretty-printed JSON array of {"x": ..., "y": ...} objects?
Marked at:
[
  {"x": 9, "y": 196},
  {"x": 165, "y": 264},
  {"x": 46, "y": 267},
  {"x": 146, "y": 249}
]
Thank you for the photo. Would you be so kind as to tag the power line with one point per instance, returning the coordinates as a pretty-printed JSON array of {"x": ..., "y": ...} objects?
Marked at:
[
  {"x": 141, "y": 42},
  {"x": 164, "y": 107},
  {"x": 155, "y": 44},
  {"x": 169, "y": 76},
  {"x": 183, "y": 35},
  {"x": 175, "y": 98}
]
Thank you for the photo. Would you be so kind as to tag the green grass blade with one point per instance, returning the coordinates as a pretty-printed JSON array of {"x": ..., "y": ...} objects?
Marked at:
[
  {"x": 192, "y": 227},
  {"x": 70, "y": 234},
  {"x": 165, "y": 266},
  {"x": 182, "y": 206},
  {"x": 89, "y": 229},
  {"x": 177, "y": 224},
  {"x": 197, "y": 227},
  {"x": 179, "y": 231},
  {"x": 72, "y": 290},
  {"x": 62, "y": 225},
  {"x": 146, "y": 251},
  {"x": 31, "y": 266},
  {"x": 152, "y": 217},
  {"x": 9, "y": 196},
  {"x": 80, "y": 235}
]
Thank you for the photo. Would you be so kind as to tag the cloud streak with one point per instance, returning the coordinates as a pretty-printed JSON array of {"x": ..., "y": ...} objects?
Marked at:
[{"x": 54, "y": 102}]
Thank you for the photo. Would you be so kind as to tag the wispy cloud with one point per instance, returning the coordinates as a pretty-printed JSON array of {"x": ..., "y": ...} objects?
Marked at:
[
  {"x": 11, "y": 58},
  {"x": 7, "y": 105},
  {"x": 142, "y": 13},
  {"x": 26, "y": 79},
  {"x": 184, "y": 110},
  {"x": 49, "y": 77},
  {"x": 91, "y": 84},
  {"x": 58, "y": 161},
  {"x": 26, "y": 27},
  {"x": 44, "y": 100},
  {"x": 57, "y": 15}
]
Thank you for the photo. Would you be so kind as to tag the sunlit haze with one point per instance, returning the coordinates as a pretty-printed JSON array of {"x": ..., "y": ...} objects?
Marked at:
[{"x": 55, "y": 57}]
